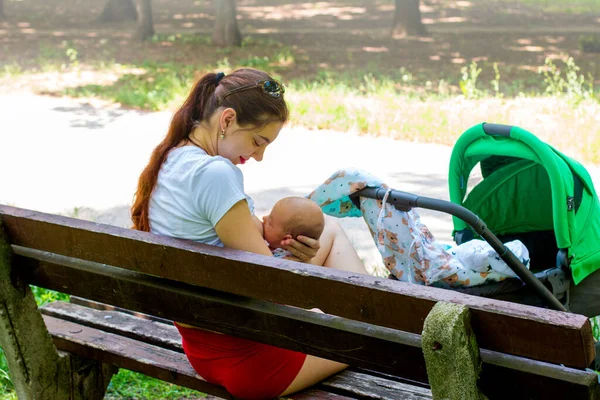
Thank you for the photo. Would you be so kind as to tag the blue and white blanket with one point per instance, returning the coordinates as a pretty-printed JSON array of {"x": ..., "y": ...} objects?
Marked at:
[{"x": 409, "y": 250}]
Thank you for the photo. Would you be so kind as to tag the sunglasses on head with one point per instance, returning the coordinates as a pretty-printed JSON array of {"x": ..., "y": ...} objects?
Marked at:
[{"x": 269, "y": 87}]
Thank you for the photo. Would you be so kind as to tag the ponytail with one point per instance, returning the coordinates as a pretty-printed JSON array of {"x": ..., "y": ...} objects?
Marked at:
[{"x": 199, "y": 103}]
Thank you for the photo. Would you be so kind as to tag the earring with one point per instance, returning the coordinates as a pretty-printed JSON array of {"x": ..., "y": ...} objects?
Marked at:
[{"x": 222, "y": 135}]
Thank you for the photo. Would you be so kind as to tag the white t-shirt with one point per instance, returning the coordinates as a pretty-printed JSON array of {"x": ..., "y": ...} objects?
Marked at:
[{"x": 193, "y": 192}]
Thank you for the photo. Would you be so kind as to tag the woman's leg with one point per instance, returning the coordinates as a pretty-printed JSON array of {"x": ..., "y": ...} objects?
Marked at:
[
  {"x": 336, "y": 249},
  {"x": 313, "y": 371},
  {"x": 336, "y": 252}
]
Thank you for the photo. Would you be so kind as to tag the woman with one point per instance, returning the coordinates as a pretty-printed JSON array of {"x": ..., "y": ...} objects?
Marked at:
[{"x": 192, "y": 189}]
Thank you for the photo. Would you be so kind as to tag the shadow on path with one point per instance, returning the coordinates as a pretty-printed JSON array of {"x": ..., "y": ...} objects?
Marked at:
[{"x": 90, "y": 117}]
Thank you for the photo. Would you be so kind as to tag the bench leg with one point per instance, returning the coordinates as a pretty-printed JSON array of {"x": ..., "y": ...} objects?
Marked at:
[
  {"x": 451, "y": 353},
  {"x": 89, "y": 378},
  {"x": 37, "y": 370}
]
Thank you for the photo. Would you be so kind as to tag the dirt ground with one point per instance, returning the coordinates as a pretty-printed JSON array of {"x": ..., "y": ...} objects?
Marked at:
[{"x": 338, "y": 35}]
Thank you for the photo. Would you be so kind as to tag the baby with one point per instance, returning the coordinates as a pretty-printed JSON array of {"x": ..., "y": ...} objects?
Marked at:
[{"x": 289, "y": 218}]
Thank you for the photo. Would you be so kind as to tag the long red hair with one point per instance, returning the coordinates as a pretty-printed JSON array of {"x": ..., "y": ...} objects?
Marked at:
[{"x": 253, "y": 108}]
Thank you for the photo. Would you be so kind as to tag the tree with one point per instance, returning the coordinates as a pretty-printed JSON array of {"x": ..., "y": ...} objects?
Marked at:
[
  {"x": 118, "y": 10},
  {"x": 407, "y": 19},
  {"x": 145, "y": 27},
  {"x": 226, "y": 31}
]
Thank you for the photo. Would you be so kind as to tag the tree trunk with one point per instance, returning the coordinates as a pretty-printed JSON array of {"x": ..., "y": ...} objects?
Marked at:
[
  {"x": 118, "y": 10},
  {"x": 226, "y": 32},
  {"x": 407, "y": 19},
  {"x": 145, "y": 28}
]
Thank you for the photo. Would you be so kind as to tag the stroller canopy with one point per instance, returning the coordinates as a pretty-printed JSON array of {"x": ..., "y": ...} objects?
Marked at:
[{"x": 528, "y": 186}]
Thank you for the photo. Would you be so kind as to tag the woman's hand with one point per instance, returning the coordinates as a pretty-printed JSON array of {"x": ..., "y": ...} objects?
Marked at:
[{"x": 303, "y": 248}]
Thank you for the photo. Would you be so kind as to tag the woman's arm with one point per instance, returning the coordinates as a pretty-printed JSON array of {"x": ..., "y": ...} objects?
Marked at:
[
  {"x": 259, "y": 225},
  {"x": 237, "y": 230}
]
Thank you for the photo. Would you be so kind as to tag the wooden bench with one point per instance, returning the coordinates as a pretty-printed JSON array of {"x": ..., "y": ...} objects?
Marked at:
[{"x": 398, "y": 338}]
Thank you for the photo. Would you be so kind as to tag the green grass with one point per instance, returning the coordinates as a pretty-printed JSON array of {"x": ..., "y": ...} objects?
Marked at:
[
  {"x": 397, "y": 103},
  {"x": 11, "y": 70},
  {"x": 130, "y": 385},
  {"x": 159, "y": 86},
  {"x": 45, "y": 296},
  {"x": 6, "y": 385},
  {"x": 565, "y": 6}
]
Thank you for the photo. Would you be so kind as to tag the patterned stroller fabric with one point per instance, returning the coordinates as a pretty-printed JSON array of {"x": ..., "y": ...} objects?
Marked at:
[{"x": 409, "y": 250}]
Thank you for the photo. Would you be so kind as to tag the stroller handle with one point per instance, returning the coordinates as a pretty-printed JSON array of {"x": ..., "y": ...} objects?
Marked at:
[
  {"x": 497, "y": 129},
  {"x": 405, "y": 201}
]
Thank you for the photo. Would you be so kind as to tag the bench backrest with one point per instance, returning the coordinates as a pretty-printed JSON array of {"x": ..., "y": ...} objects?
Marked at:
[{"x": 237, "y": 292}]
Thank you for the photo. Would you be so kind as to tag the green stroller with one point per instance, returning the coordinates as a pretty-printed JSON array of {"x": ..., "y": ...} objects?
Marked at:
[
  {"x": 527, "y": 191},
  {"x": 531, "y": 192}
]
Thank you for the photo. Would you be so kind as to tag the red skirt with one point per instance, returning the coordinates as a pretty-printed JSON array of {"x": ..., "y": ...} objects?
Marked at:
[{"x": 247, "y": 369}]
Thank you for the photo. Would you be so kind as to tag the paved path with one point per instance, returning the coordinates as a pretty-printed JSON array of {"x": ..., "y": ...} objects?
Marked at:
[{"x": 59, "y": 155}]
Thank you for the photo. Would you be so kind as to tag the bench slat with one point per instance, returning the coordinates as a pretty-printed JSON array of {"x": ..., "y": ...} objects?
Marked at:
[
  {"x": 317, "y": 394},
  {"x": 169, "y": 340},
  {"x": 172, "y": 340},
  {"x": 117, "y": 322},
  {"x": 82, "y": 301},
  {"x": 156, "y": 362},
  {"x": 166, "y": 336},
  {"x": 558, "y": 382},
  {"x": 246, "y": 318},
  {"x": 500, "y": 326},
  {"x": 163, "y": 364},
  {"x": 172, "y": 366},
  {"x": 371, "y": 387}
]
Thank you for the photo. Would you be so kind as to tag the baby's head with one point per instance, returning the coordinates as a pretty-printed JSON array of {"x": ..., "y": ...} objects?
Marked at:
[{"x": 290, "y": 217}]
